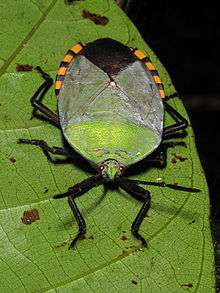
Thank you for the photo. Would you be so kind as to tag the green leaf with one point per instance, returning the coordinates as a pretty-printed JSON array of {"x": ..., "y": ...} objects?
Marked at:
[{"x": 35, "y": 258}]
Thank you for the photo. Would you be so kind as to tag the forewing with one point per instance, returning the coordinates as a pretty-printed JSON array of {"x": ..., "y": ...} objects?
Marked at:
[
  {"x": 144, "y": 102},
  {"x": 82, "y": 83}
]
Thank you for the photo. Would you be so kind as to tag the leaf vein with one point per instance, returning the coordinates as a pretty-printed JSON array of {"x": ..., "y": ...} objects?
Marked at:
[{"x": 27, "y": 38}]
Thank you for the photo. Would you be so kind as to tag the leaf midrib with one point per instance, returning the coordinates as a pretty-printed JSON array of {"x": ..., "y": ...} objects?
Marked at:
[{"x": 26, "y": 39}]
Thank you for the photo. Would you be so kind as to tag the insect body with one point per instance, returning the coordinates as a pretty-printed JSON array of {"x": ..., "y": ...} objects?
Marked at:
[{"x": 111, "y": 111}]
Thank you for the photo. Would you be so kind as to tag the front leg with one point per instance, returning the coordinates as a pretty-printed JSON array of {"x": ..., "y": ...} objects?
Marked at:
[
  {"x": 80, "y": 221},
  {"x": 74, "y": 192}
]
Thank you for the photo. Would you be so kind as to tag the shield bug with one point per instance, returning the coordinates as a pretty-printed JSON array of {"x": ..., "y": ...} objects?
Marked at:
[{"x": 111, "y": 105}]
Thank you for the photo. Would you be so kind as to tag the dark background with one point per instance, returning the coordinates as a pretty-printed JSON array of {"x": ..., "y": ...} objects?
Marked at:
[{"x": 186, "y": 39}]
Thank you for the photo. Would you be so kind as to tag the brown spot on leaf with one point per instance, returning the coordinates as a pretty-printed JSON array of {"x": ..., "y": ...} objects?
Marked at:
[
  {"x": 45, "y": 190},
  {"x": 96, "y": 18},
  {"x": 13, "y": 160},
  {"x": 30, "y": 216},
  {"x": 6, "y": 118},
  {"x": 180, "y": 158},
  {"x": 24, "y": 67},
  {"x": 173, "y": 161},
  {"x": 69, "y": 2},
  {"x": 192, "y": 222},
  {"x": 124, "y": 237},
  {"x": 127, "y": 251},
  {"x": 124, "y": 253},
  {"x": 189, "y": 285}
]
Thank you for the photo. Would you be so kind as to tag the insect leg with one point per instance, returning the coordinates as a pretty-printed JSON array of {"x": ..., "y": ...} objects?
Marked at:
[
  {"x": 139, "y": 219},
  {"x": 80, "y": 221},
  {"x": 38, "y": 96},
  {"x": 172, "y": 96},
  {"x": 140, "y": 194},
  {"x": 163, "y": 185},
  {"x": 76, "y": 191},
  {"x": 46, "y": 149},
  {"x": 159, "y": 157},
  {"x": 181, "y": 122}
]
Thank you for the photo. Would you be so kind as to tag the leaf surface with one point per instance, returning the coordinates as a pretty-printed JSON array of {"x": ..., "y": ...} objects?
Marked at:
[{"x": 35, "y": 258}]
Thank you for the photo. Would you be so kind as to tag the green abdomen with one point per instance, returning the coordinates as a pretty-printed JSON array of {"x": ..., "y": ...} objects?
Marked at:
[{"x": 98, "y": 140}]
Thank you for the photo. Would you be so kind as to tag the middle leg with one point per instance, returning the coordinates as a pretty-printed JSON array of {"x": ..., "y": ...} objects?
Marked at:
[{"x": 47, "y": 150}]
